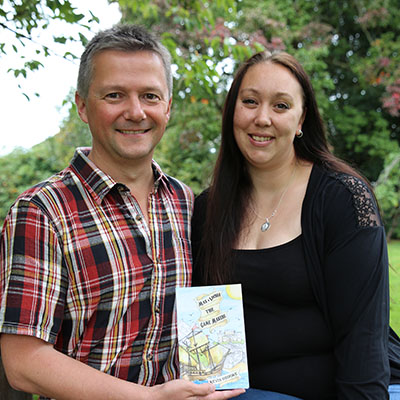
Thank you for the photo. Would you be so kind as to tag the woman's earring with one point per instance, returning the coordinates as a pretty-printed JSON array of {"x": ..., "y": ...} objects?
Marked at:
[{"x": 299, "y": 134}]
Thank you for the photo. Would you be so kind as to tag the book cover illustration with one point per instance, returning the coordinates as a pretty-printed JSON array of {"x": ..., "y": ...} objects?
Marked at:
[{"x": 211, "y": 335}]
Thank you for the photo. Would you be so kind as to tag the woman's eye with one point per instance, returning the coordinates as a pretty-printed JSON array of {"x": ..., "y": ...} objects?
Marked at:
[
  {"x": 249, "y": 101},
  {"x": 282, "y": 106}
]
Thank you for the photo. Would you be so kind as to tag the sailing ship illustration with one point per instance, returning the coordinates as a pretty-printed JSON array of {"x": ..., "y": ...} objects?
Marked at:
[
  {"x": 200, "y": 358},
  {"x": 211, "y": 336}
]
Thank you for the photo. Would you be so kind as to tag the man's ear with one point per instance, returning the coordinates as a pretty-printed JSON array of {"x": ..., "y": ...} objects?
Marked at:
[
  {"x": 168, "y": 113},
  {"x": 81, "y": 107},
  {"x": 169, "y": 108}
]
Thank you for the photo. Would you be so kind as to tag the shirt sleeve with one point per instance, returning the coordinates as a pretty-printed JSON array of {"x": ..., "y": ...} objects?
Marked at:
[
  {"x": 33, "y": 280},
  {"x": 357, "y": 290}
]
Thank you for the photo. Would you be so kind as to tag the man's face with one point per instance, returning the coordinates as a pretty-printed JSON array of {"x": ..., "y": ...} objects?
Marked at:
[{"x": 127, "y": 108}]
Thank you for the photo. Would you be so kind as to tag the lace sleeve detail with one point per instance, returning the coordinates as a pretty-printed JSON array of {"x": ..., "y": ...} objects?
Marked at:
[{"x": 363, "y": 200}]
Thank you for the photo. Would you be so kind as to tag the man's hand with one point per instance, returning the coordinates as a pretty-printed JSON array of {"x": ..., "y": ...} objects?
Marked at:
[{"x": 184, "y": 390}]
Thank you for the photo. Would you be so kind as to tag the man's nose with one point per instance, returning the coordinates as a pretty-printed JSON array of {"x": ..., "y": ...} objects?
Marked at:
[{"x": 134, "y": 110}]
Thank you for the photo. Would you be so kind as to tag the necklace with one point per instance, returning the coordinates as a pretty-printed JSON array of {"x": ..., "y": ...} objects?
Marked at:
[{"x": 266, "y": 225}]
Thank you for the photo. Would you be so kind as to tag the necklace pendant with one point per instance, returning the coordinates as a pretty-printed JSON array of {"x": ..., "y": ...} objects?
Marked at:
[{"x": 265, "y": 226}]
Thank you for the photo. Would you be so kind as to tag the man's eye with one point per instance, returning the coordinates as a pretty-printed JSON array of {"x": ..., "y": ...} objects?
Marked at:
[
  {"x": 151, "y": 97},
  {"x": 113, "y": 96}
]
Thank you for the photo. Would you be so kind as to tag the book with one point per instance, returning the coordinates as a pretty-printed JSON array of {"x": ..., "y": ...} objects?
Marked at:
[{"x": 211, "y": 336}]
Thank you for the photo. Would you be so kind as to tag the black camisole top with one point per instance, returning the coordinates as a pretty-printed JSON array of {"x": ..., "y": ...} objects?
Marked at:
[{"x": 290, "y": 348}]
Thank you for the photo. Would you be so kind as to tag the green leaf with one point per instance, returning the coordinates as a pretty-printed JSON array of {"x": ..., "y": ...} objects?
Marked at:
[
  {"x": 83, "y": 39},
  {"x": 60, "y": 39},
  {"x": 68, "y": 54},
  {"x": 94, "y": 18}
]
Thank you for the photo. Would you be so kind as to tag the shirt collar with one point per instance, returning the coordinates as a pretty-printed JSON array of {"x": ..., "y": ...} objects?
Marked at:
[{"x": 100, "y": 184}]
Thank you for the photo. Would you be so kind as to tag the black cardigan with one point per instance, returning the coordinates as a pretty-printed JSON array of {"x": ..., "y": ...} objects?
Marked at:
[{"x": 346, "y": 256}]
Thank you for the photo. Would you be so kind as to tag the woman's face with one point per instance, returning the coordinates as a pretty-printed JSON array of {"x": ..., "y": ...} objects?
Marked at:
[{"x": 268, "y": 113}]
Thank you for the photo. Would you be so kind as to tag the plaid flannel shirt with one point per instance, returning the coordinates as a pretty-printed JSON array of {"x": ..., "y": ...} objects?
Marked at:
[{"x": 80, "y": 268}]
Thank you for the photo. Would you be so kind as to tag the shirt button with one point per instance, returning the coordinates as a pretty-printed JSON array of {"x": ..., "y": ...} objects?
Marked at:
[
  {"x": 150, "y": 356},
  {"x": 157, "y": 310},
  {"x": 138, "y": 217}
]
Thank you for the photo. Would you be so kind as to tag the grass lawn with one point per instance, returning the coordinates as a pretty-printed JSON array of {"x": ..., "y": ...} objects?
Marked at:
[{"x": 394, "y": 272}]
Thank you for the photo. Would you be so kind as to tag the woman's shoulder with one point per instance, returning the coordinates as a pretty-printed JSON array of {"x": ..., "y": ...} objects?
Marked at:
[{"x": 346, "y": 193}]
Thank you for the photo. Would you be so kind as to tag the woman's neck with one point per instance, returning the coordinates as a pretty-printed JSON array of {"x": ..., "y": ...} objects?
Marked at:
[{"x": 272, "y": 180}]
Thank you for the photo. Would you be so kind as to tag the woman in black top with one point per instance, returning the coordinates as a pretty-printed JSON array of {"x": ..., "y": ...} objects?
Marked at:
[{"x": 301, "y": 231}]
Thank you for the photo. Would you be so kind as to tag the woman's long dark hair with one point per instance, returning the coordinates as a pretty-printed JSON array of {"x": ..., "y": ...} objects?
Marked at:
[{"x": 231, "y": 186}]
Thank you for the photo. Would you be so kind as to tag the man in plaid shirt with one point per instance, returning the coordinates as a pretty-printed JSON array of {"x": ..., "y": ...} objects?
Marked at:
[{"x": 90, "y": 258}]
